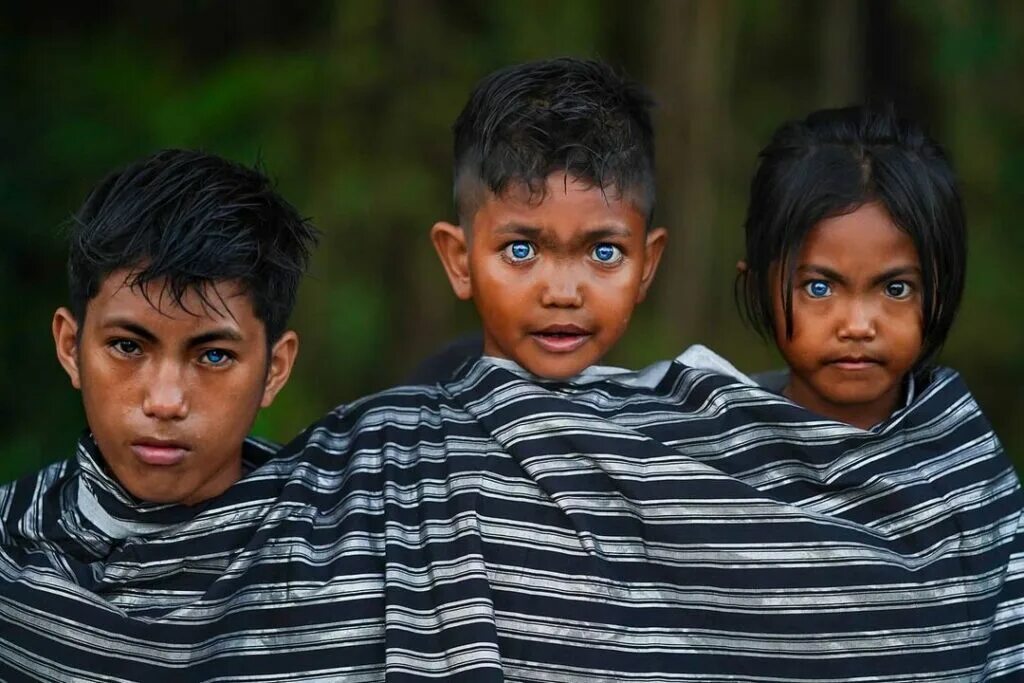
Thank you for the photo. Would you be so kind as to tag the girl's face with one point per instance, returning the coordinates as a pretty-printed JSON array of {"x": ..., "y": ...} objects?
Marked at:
[{"x": 857, "y": 317}]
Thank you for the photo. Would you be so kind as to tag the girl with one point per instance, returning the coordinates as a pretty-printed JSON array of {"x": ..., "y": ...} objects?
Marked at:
[{"x": 855, "y": 260}]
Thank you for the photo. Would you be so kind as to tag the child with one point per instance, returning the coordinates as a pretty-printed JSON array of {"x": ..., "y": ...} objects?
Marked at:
[
  {"x": 182, "y": 270},
  {"x": 554, "y": 189},
  {"x": 182, "y": 273},
  {"x": 855, "y": 259}
]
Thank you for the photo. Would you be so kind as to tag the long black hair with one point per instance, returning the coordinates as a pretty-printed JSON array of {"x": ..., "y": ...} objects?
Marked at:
[{"x": 830, "y": 164}]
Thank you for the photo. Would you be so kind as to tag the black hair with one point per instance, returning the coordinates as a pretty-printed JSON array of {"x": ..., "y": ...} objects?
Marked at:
[
  {"x": 830, "y": 164},
  {"x": 191, "y": 219},
  {"x": 524, "y": 122}
]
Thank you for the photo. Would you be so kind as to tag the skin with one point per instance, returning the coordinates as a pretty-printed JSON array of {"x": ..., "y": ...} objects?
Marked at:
[
  {"x": 554, "y": 280},
  {"x": 170, "y": 394},
  {"x": 857, "y": 317}
]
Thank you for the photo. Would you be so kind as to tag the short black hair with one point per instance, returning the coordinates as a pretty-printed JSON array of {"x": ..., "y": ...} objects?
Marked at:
[
  {"x": 524, "y": 122},
  {"x": 830, "y": 164},
  {"x": 191, "y": 219}
]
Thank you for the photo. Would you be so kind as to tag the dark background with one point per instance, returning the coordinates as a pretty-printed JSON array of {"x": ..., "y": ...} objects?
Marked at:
[{"x": 349, "y": 105}]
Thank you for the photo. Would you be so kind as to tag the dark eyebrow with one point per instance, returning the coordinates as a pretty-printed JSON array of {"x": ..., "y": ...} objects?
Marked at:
[
  {"x": 133, "y": 327},
  {"x": 534, "y": 233},
  {"x": 517, "y": 229},
  {"x": 607, "y": 231},
  {"x": 220, "y": 334},
  {"x": 896, "y": 272},
  {"x": 823, "y": 271}
]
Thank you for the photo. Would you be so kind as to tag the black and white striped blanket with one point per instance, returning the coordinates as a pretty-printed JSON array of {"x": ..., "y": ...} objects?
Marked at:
[{"x": 499, "y": 529}]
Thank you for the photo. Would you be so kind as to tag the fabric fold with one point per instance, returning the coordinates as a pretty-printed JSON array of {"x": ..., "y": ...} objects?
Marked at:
[{"x": 691, "y": 528}]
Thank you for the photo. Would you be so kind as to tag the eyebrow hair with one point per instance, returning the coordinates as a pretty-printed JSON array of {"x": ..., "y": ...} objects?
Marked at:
[
  {"x": 823, "y": 270},
  {"x": 881, "y": 277},
  {"x": 608, "y": 231},
  {"x": 528, "y": 231},
  {"x": 535, "y": 233},
  {"x": 896, "y": 272},
  {"x": 132, "y": 327},
  {"x": 218, "y": 334}
]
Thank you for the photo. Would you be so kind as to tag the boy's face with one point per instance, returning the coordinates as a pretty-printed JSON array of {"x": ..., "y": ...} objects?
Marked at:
[
  {"x": 170, "y": 394},
  {"x": 555, "y": 281},
  {"x": 857, "y": 317}
]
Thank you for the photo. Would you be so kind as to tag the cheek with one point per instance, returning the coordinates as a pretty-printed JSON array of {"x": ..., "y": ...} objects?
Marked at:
[{"x": 108, "y": 387}]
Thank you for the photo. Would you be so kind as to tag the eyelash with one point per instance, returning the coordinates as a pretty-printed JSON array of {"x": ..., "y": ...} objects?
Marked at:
[
  {"x": 228, "y": 359},
  {"x": 806, "y": 287},
  {"x": 118, "y": 344},
  {"x": 908, "y": 289},
  {"x": 617, "y": 254},
  {"x": 506, "y": 251}
]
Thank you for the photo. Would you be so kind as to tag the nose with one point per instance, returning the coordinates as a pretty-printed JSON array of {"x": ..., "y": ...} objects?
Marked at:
[
  {"x": 165, "y": 396},
  {"x": 562, "y": 289},
  {"x": 858, "y": 323}
]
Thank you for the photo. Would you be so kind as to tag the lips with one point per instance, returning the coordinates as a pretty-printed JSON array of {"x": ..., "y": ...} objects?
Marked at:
[
  {"x": 854, "y": 363},
  {"x": 160, "y": 452},
  {"x": 563, "y": 338}
]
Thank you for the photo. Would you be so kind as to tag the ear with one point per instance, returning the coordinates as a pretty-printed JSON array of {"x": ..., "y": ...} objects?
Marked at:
[
  {"x": 741, "y": 267},
  {"x": 65, "y": 339},
  {"x": 652, "y": 257},
  {"x": 279, "y": 366},
  {"x": 453, "y": 250}
]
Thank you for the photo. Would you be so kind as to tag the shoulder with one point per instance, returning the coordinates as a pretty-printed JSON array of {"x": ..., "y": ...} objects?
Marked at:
[{"x": 33, "y": 496}]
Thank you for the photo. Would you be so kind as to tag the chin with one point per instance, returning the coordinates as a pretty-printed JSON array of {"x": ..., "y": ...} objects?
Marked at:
[
  {"x": 151, "y": 495},
  {"x": 855, "y": 396},
  {"x": 556, "y": 371}
]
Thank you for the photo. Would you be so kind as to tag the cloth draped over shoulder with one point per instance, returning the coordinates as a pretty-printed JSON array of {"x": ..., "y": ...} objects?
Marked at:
[{"x": 500, "y": 528}]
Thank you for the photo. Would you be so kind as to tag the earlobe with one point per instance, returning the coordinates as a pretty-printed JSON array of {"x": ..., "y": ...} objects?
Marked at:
[
  {"x": 279, "y": 366},
  {"x": 453, "y": 250},
  {"x": 653, "y": 250},
  {"x": 65, "y": 339}
]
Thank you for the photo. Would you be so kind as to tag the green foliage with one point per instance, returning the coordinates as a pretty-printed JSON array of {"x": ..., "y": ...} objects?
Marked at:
[{"x": 349, "y": 105}]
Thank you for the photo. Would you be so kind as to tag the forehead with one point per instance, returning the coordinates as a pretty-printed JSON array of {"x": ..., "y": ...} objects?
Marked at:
[
  {"x": 223, "y": 303},
  {"x": 864, "y": 238},
  {"x": 564, "y": 203}
]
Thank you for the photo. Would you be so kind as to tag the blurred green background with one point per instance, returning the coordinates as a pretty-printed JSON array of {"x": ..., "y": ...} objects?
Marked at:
[{"x": 349, "y": 103}]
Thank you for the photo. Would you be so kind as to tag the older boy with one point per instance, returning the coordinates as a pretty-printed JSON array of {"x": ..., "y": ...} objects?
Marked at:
[{"x": 183, "y": 270}]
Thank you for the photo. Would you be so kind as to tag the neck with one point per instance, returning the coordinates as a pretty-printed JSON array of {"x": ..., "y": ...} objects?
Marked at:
[{"x": 861, "y": 415}]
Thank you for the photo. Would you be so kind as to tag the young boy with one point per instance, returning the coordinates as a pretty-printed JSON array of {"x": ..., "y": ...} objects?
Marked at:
[{"x": 554, "y": 189}]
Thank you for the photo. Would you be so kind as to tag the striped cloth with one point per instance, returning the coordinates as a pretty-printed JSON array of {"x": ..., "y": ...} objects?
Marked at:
[{"x": 496, "y": 528}]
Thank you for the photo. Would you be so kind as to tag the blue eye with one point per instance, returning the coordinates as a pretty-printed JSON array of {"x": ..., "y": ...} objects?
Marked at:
[
  {"x": 898, "y": 289},
  {"x": 519, "y": 251},
  {"x": 215, "y": 357},
  {"x": 818, "y": 289},
  {"x": 607, "y": 253}
]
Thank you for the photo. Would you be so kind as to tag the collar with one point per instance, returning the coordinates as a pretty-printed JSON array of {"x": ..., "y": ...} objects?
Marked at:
[
  {"x": 647, "y": 378},
  {"x": 112, "y": 511}
]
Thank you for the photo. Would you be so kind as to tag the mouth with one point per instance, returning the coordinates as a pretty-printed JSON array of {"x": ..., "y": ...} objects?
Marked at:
[
  {"x": 854, "y": 363},
  {"x": 160, "y": 452},
  {"x": 561, "y": 338}
]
